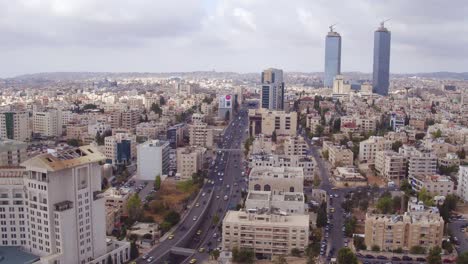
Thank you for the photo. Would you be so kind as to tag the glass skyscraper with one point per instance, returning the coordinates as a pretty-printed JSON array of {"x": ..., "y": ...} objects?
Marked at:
[
  {"x": 332, "y": 57},
  {"x": 272, "y": 96},
  {"x": 381, "y": 75}
]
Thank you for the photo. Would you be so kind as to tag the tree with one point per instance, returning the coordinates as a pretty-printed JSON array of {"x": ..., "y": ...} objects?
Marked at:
[
  {"x": 437, "y": 134},
  {"x": 336, "y": 125},
  {"x": 461, "y": 154},
  {"x": 425, "y": 197},
  {"x": 215, "y": 254},
  {"x": 434, "y": 256},
  {"x": 215, "y": 219},
  {"x": 133, "y": 250},
  {"x": 375, "y": 248},
  {"x": 419, "y": 136},
  {"x": 280, "y": 260},
  {"x": 417, "y": 250},
  {"x": 319, "y": 130},
  {"x": 74, "y": 142},
  {"x": 134, "y": 207},
  {"x": 322, "y": 215},
  {"x": 396, "y": 145},
  {"x": 346, "y": 256},
  {"x": 359, "y": 243},
  {"x": 463, "y": 258},
  {"x": 295, "y": 252},
  {"x": 405, "y": 186},
  {"x": 172, "y": 217},
  {"x": 243, "y": 256},
  {"x": 274, "y": 136},
  {"x": 157, "y": 182},
  {"x": 89, "y": 106},
  {"x": 385, "y": 204},
  {"x": 156, "y": 109},
  {"x": 162, "y": 100}
]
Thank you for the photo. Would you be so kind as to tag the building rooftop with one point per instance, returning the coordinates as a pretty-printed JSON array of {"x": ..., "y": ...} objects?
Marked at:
[
  {"x": 14, "y": 255},
  {"x": 154, "y": 143},
  {"x": 64, "y": 159},
  {"x": 267, "y": 218},
  {"x": 10, "y": 144}
]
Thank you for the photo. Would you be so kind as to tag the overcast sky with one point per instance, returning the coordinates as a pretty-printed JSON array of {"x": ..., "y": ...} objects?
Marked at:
[{"x": 226, "y": 35}]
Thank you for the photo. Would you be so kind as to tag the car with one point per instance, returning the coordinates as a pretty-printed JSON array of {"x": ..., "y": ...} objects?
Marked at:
[
  {"x": 369, "y": 256},
  {"x": 197, "y": 205},
  {"x": 225, "y": 197},
  {"x": 193, "y": 261},
  {"x": 336, "y": 195},
  {"x": 144, "y": 257},
  {"x": 150, "y": 259},
  {"x": 217, "y": 196},
  {"x": 215, "y": 235},
  {"x": 199, "y": 232},
  {"x": 201, "y": 250},
  {"x": 407, "y": 258},
  {"x": 420, "y": 259},
  {"x": 396, "y": 258},
  {"x": 203, "y": 194},
  {"x": 170, "y": 237},
  {"x": 227, "y": 186},
  {"x": 381, "y": 257},
  {"x": 195, "y": 218}
]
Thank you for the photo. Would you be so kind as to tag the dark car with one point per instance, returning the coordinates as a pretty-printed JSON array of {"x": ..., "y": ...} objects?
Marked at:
[
  {"x": 421, "y": 259},
  {"x": 381, "y": 257},
  {"x": 369, "y": 256},
  {"x": 406, "y": 258},
  {"x": 396, "y": 258}
]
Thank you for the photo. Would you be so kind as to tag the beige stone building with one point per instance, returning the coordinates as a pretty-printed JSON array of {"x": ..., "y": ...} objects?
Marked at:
[
  {"x": 123, "y": 155},
  {"x": 117, "y": 198},
  {"x": 77, "y": 131},
  {"x": 340, "y": 156},
  {"x": 435, "y": 184},
  {"x": 295, "y": 146},
  {"x": 189, "y": 161},
  {"x": 368, "y": 148},
  {"x": 200, "y": 135},
  {"x": 12, "y": 152},
  {"x": 125, "y": 119},
  {"x": 391, "y": 232},
  {"x": 264, "y": 121},
  {"x": 420, "y": 162},
  {"x": 390, "y": 165},
  {"x": 273, "y": 160},
  {"x": 277, "y": 179},
  {"x": 15, "y": 125},
  {"x": 265, "y": 232}
]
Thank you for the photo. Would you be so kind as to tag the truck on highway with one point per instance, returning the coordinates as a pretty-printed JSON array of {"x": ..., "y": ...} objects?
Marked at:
[{"x": 225, "y": 197}]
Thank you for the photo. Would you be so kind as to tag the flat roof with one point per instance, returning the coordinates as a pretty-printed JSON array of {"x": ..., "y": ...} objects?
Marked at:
[{"x": 10, "y": 254}]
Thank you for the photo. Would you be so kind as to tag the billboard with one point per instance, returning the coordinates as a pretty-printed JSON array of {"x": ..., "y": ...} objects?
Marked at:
[{"x": 225, "y": 101}]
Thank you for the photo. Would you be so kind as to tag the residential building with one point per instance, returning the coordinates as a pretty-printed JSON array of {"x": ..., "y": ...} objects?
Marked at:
[
  {"x": 150, "y": 130},
  {"x": 117, "y": 198},
  {"x": 332, "y": 57},
  {"x": 272, "y": 95},
  {"x": 175, "y": 135},
  {"x": 273, "y": 160},
  {"x": 48, "y": 123},
  {"x": 340, "y": 156},
  {"x": 55, "y": 208},
  {"x": 381, "y": 73},
  {"x": 391, "y": 165},
  {"x": 98, "y": 127},
  {"x": 450, "y": 160},
  {"x": 12, "y": 152},
  {"x": 349, "y": 175},
  {"x": 189, "y": 161},
  {"x": 15, "y": 125},
  {"x": 153, "y": 159},
  {"x": 262, "y": 145},
  {"x": 262, "y": 121},
  {"x": 267, "y": 231},
  {"x": 368, "y": 148},
  {"x": 462, "y": 188},
  {"x": 277, "y": 179},
  {"x": 76, "y": 131},
  {"x": 295, "y": 146},
  {"x": 120, "y": 148},
  {"x": 420, "y": 162},
  {"x": 127, "y": 119},
  {"x": 437, "y": 185},
  {"x": 288, "y": 202},
  {"x": 200, "y": 135}
]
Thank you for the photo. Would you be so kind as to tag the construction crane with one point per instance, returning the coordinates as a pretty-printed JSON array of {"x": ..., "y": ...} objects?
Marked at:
[
  {"x": 382, "y": 24},
  {"x": 332, "y": 27}
]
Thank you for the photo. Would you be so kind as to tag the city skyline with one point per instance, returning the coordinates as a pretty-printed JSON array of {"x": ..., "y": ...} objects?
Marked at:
[{"x": 222, "y": 35}]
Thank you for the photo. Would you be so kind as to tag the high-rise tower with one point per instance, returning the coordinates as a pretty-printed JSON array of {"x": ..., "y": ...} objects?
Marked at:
[
  {"x": 272, "y": 96},
  {"x": 332, "y": 57},
  {"x": 381, "y": 75}
]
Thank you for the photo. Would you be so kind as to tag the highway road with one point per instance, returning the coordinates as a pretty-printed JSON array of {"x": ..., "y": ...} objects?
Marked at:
[{"x": 224, "y": 179}]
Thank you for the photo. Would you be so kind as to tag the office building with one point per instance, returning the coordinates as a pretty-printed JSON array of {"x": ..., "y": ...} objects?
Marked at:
[
  {"x": 189, "y": 161},
  {"x": 272, "y": 94},
  {"x": 263, "y": 121},
  {"x": 120, "y": 149},
  {"x": 12, "y": 152},
  {"x": 153, "y": 159},
  {"x": 340, "y": 87},
  {"x": 15, "y": 125},
  {"x": 332, "y": 57},
  {"x": 48, "y": 123},
  {"x": 55, "y": 209},
  {"x": 381, "y": 74},
  {"x": 368, "y": 148},
  {"x": 266, "y": 231},
  {"x": 175, "y": 135},
  {"x": 225, "y": 106}
]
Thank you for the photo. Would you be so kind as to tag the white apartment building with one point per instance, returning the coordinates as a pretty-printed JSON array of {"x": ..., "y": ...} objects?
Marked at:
[
  {"x": 267, "y": 232},
  {"x": 15, "y": 125},
  {"x": 368, "y": 148},
  {"x": 120, "y": 148},
  {"x": 437, "y": 185},
  {"x": 189, "y": 161},
  {"x": 48, "y": 123},
  {"x": 272, "y": 160},
  {"x": 12, "y": 152},
  {"x": 420, "y": 162},
  {"x": 200, "y": 135},
  {"x": 277, "y": 179},
  {"x": 462, "y": 189},
  {"x": 153, "y": 160},
  {"x": 288, "y": 202},
  {"x": 390, "y": 165},
  {"x": 52, "y": 208}
]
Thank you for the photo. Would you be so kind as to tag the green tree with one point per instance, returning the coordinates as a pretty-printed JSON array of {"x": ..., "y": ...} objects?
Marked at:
[
  {"x": 437, "y": 134},
  {"x": 157, "y": 182},
  {"x": 375, "y": 248},
  {"x": 346, "y": 256},
  {"x": 162, "y": 100},
  {"x": 74, "y": 142},
  {"x": 134, "y": 207},
  {"x": 156, "y": 109},
  {"x": 280, "y": 260},
  {"x": 274, "y": 136},
  {"x": 336, "y": 125},
  {"x": 461, "y": 154},
  {"x": 89, "y": 106},
  {"x": 463, "y": 258},
  {"x": 215, "y": 254},
  {"x": 417, "y": 250},
  {"x": 215, "y": 219},
  {"x": 172, "y": 217},
  {"x": 350, "y": 225},
  {"x": 405, "y": 186},
  {"x": 359, "y": 243},
  {"x": 385, "y": 204},
  {"x": 322, "y": 215},
  {"x": 134, "y": 250},
  {"x": 434, "y": 256},
  {"x": 396, "y": 145},
  {"x": 319, "y": 131},
  {"x": 295, "y": 252},
  {"x": 425, "y": 197},
  {"x": 243, "y": 255}
]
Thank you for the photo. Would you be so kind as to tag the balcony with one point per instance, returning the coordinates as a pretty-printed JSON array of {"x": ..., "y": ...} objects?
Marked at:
[{"x": 63, "y": 206}]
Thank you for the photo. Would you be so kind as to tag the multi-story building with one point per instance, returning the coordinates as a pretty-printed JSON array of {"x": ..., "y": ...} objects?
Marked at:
[
  {"x": 295, "y": 146},
  {"x": 189, "y": 161},
  {"x": 48, "y": 123},
  {"x": 272, "y": 160},
  {"x": 369, "y": 148},
  {"x": 117, "y": 198},
  {"x": 262, "y": 145},
  {"x": 15, "y": 125},
  {"x": 55, "y": 210},
  {"x": 391, "y": 232},
  {"x": 332, "y": 57},
  {"x": 420, "y": 162},
  {"x": 272, "y": 96},
  {"x": 277, "y": 179},
  {"x": 262, "y": 121},
  {"x": 265, "y": 231},
  {"x": 361, "y": 124},
  {"x": 381, "y": 74},
  {"x": 175, "y": 135},
  {"x": 313, "y": 121},
  {"x": 12, "y": 152},
  {"x": 150, "y": 130},
  {"x": 153, "y": 159},
  {"x": 288, "y": 202},
  {"x": 462, "y": 188},
  {"x": 391, "y": 165},
  {"x": 200, "y": 135},
  {"x": 98, "y": 127},
  {"x": 437, "y": 185},
  {"x": 76, "y": 131},
  {"x": 125, "y": 119},
  {"x": 340, "y": 156},
  {"x": 120, "y": 148},
  {"x": 450, "y": 159}
]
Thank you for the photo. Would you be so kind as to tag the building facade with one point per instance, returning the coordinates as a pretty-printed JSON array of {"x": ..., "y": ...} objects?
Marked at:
[
  {"x": 272, "y": 94},
  {"x": 368, "y": 148},
  {"x": 15, "y": 125},
  {"x": 153, "y": 159},
  {"x": 189, "y": 161},
  {"x": 381, "y": 72},
  {"x": 332, "y": 57}
]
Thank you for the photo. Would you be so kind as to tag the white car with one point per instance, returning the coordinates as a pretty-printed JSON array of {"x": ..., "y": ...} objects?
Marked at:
[
  {"x": 203, "y": 194},
  {"x": 195, "y": 218}
]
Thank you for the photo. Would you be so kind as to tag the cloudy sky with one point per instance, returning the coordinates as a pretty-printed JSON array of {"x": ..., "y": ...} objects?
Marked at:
[{"x": 226, "y": 35}]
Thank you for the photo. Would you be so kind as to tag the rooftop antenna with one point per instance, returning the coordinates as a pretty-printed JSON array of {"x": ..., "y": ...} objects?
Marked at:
[
  {"x": 382, "y": 24},
  {"x": 332, "y": 27}
]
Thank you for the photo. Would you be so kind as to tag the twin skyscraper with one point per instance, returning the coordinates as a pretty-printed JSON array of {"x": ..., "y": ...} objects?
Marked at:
[{"x": 381, "y": 68}]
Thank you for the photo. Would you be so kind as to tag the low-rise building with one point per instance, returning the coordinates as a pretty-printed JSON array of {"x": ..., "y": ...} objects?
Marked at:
[
  {"x": 12, "y": 152},
  {"x": 272, "y": 160},
  {"x": 450, "y": 160},
  {"x": 277, "y": 179},
  {"x": 288, "y": 202},
  {"x": 267, "y": 231},
  {"x": 295, "y": 146},
  {"x": 349, "y": 175},
  {"x": 117, "y": 198}
]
